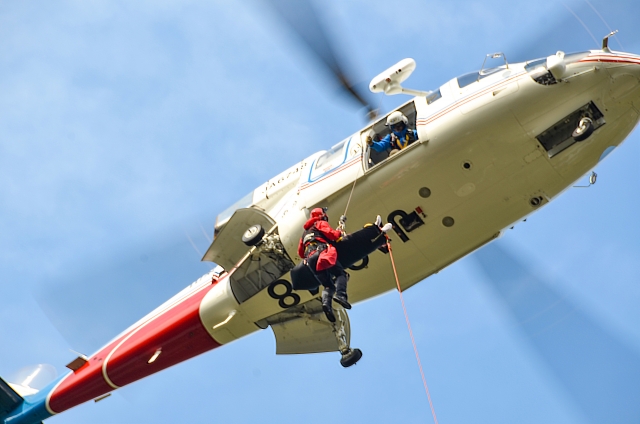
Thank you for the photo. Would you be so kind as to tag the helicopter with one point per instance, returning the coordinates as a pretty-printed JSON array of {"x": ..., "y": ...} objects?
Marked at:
[{"x": 382, "y": 164}]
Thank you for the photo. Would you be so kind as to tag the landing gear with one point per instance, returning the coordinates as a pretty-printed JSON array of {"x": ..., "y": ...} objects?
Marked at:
[
  {"x": 253, "y": 235},
  {"x": 306, "y": 329},
  {"x": 584, "y": 130},
  {"x": 349, "y": 356},
  {"x": 328, "y": 312}
]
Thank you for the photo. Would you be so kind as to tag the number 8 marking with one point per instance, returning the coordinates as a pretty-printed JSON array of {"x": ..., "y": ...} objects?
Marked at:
[{"x": 282, "y": 298}]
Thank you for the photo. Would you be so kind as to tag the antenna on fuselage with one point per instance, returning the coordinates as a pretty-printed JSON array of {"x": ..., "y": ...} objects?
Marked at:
[
  {"x": 605, "y": 41},
  {"x": 388, "y": 82},
  {"x": 592, "y": 180}
]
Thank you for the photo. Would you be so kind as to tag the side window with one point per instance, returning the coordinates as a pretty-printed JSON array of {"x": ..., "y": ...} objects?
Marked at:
[
  {"x": 334, "y": 154},
  {"x": 330, "y": 160}
]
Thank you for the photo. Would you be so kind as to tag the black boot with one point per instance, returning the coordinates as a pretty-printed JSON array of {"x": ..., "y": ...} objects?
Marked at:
[
  {"x": 327, "y": 295},
  {"x": 341, "y": 299},
  {"x": 341, "y": 291}
]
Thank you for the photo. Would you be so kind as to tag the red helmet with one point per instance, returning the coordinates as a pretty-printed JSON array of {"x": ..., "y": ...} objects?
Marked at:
[{"x": 319, "y": 213}]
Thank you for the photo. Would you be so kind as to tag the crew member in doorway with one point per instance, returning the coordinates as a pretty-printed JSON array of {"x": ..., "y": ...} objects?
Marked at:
[
  {"x": 316, "y": 247},
  {"x": 400, "y": 136}
]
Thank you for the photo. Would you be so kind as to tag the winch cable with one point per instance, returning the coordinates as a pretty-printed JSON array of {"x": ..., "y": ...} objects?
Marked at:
[
  {"x": 343, "y": 218},
  {"x": 413, "y": 341}
]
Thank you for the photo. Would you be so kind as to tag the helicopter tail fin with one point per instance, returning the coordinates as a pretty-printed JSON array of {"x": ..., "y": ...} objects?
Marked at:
[{"x": 9, "y": 399}]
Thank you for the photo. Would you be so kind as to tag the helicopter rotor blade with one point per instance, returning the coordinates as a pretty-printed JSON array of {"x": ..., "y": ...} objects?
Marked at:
[
  {"x": 302, "y": 19},
  {"x": 87, "y": 304},
  {"x": 580, "y": 22},
  {"x": 589, "y": 362}
]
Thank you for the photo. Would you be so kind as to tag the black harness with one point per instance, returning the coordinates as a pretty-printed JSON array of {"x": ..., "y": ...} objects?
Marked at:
[{"x": 313, "y": 241}]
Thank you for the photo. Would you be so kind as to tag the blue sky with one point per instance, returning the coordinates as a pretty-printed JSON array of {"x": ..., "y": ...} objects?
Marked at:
[{"x": 126, "y": 128}]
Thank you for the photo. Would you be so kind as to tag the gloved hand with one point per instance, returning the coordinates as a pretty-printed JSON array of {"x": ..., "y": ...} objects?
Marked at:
[
  {"x": 378, "y": 222},
  {"x": 369, "y": 140}
]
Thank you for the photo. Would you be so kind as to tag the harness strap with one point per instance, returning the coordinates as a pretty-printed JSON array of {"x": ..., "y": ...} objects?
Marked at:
[
  {"x": 401, "y": 143},
  {"x": 314, "y": 247},
  {"x": 313, "y": 240}
]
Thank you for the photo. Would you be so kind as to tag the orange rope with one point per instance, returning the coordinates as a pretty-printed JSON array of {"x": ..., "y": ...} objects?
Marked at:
[{"x": 413, "y": 342}]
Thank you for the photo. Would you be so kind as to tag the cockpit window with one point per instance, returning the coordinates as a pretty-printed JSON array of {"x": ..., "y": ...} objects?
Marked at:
[
  {"x": 542, "y": 62},
  {"x": 470, "y": 78},
  {"x": 537, "y": 69},
  {"x": 537, "y": 63},
  {"x": 575, "y": 57},
  {"x": 435, "y": 95}
]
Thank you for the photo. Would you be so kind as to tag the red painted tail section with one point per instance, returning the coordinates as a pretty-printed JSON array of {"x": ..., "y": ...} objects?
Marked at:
[{"x": 178, "y": 332}]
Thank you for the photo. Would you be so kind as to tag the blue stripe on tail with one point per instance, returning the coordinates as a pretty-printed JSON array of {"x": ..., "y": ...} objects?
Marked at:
[{"x": 28, "y": 410}]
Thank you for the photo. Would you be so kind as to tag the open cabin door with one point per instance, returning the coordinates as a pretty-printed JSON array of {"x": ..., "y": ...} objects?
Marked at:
[
  {"x": 227, "y": 248},
  {"x": 251, "y": 269},
  {"x": 306, "y": 330},
  {"x": 379, "y": 130}
]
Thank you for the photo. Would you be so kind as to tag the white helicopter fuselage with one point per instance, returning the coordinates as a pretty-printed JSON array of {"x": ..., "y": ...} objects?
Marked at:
[
  {"x": 477, "y": 162},
  {"x": 491, "y": 151}
]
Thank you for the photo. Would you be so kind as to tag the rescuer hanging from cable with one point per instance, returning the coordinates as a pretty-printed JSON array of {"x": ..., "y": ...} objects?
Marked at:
[{"x": 317, "y": 248}]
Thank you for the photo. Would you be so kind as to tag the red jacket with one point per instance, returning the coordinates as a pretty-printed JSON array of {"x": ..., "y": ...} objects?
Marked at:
[{"x": 323, "y": 227}]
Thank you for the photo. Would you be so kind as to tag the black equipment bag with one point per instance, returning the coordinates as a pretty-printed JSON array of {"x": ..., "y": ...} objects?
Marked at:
[{"x": 351, "y": 249}]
